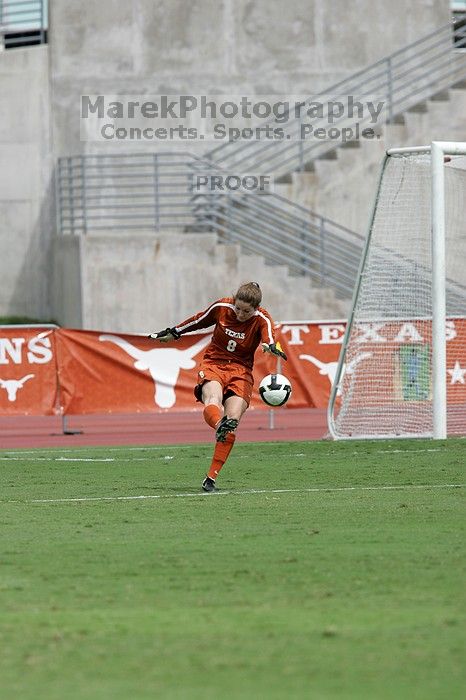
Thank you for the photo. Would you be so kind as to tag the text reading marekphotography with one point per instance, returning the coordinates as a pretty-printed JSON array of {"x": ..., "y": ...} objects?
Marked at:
[{"x": 165, "y": 118}]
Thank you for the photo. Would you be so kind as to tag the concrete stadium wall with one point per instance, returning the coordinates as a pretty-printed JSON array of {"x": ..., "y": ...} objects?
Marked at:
[
  {"x": 142, "y": 283},
  {"x": 162, "y": 47},
  {"x": 203, "y": 46},
  {"x": 26, "y": 196},
  {"x": 66, "y": 274},
  {"x": 227, "y": 47}
]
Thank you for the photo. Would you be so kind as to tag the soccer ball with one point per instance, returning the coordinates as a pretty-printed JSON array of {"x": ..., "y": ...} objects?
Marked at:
[{"x": 275, "y": 390}]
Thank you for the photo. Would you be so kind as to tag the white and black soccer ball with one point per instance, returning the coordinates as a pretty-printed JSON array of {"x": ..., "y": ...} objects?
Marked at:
[{"x": 275, "y": 390}]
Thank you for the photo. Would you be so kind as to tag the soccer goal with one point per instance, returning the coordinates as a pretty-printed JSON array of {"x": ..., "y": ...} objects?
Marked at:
[{"x": 402, "y": 367}]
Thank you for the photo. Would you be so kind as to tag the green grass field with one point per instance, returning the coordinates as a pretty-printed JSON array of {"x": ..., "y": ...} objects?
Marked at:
[{"x": 320, "y": 570}]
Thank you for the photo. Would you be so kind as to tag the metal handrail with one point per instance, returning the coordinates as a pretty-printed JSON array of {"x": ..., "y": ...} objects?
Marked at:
[
  {"x": 305, "y": 249},
  {"x": 154, "y": 191},
  {"x": 403, "y": 79},
  {"x": 151, "y": 192}
]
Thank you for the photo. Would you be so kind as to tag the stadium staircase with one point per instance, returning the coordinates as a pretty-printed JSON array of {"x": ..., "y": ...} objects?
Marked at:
[
  {"x": 405, "y": 80},
  {"x": 344, "y": 188},
  {"x": 313, "y": 256}
]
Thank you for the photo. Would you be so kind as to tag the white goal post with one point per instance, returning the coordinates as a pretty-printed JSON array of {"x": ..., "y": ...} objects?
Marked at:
[{"x": 406, "y": 333}]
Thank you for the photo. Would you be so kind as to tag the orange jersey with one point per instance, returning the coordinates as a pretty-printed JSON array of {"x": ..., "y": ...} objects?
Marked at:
[{"x": 232, "y": 340}]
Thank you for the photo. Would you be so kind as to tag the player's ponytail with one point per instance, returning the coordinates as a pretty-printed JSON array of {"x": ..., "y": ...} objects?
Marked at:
[{"x": 250, "y": 293}]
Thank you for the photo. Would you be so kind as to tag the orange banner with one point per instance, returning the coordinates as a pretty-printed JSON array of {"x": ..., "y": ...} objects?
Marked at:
[
  {"x": 105, "y": 372},
  {"x": 120, "y": 373},
  {"x": 397, "y": 354},
  {"x": 56, "y": 370},
  {"x": 28, "y": 371}
]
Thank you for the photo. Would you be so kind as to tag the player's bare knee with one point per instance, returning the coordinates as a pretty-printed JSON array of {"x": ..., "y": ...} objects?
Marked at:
[{"x": 210, "y": 397}]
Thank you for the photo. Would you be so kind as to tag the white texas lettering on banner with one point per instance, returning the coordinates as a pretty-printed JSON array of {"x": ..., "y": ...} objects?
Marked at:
[
  {"x": 407, "y": 332},
  {"x": 163, "y": 364},
  {"x": 38, "y": 350}
]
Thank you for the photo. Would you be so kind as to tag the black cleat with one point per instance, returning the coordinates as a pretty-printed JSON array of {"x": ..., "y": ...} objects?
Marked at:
[
  {"x": 208, "y": 484},
  {"x": 226, "y": 425}
]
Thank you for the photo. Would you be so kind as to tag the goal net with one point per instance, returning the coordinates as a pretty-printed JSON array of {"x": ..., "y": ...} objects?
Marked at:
[{"x": 402, "y": 368}]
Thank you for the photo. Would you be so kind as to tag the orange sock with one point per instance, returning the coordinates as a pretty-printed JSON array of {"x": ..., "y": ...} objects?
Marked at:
[
  {"x": 221, "y": 452},
  {"x": 212, "y": 415}
]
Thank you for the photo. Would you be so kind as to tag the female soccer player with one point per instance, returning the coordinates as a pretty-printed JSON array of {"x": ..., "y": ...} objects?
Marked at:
[{"x": 225, "y": 378}]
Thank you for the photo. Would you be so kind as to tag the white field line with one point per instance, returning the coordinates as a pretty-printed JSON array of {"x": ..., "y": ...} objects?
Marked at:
[
  {"x": 147, "y": 448},
  {"x": 57, "y": 459},
  {"x": 246, "y": 492},
  {"x": 99, "y": 447},
  {"x": 18, "y": 456},
  {"x": 119, "y": 459}
]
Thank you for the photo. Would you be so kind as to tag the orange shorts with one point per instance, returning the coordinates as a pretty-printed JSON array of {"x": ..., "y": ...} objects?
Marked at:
[{"x": 235, "y": 378}]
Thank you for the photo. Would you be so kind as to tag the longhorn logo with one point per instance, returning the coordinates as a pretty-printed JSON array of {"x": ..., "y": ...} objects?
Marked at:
[
  {"x": 329, "y": 369},
  {"x": 12, "y": 385},
  {"x": 164, "y": 365}
]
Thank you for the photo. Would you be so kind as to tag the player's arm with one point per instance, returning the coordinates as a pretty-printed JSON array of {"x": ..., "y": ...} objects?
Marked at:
[
  {"x": 269, "y": 344},
  {"x": 166, "y": 335},
  {"x": 275, "y": 349},
  {"x": 203, "y": 319}
]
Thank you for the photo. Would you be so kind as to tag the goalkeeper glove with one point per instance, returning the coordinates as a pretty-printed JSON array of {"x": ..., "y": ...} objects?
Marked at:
[
  {"x": 166, "y": 335},
  {"x": 275, "y": 349}
]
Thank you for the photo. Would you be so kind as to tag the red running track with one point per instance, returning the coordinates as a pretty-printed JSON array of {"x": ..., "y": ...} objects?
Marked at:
[{"x": 156, "y": 428}]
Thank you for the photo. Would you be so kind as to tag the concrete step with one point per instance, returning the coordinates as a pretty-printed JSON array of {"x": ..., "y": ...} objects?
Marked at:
[
  {"x": 344, "y": 190},
  {"x": 329, "y": 155},
  {"x": 397, "y": 119},
  {"x": 419, "y": 108},
  {"x": 442, "y": 96},
  {"x": 394, "y": 134},
  {"x": 351, "y": 144},
  {"x": 283, "y": 179},
  {"x": 287, "y": 294}
]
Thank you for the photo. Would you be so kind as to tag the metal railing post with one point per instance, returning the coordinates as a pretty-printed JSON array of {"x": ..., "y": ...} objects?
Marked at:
[
  {"x": 83, "y": 193},
  {"x": 389, "y": 90},
  {"x": 70, "y": 195},
  {"x": 58, "y": 198},
  {"x": 300, "y": 147},
  {"x": 304, "y": 248},
  {"x": 156, "y": 194},
  {"x": 228, "y": 216},
  {"x": 322, "y": 249}
]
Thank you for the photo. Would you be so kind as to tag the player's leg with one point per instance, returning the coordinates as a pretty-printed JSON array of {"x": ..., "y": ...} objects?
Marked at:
[
  {"x": 212, "y": 397},
  {"x": 235, "y": 407},
  {"x": 237, "y": 383},
  {"x": 209, "y": 391}
]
